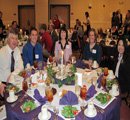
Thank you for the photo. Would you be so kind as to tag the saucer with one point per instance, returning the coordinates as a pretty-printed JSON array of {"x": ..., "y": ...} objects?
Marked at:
[
  {"x": 117, "y": 93},
  {"x": 94, "y": 67},
  {"x": 112, "y": 77},
  {"x": 12, "y": 81},
  {"x": 94, "y": 113},
  {"x": 8, "y": 99},
  {"x": 40, "y": 117}
]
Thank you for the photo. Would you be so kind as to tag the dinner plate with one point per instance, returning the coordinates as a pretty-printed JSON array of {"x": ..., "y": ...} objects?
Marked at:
[
  {"x": 93, "y": 115},
  {"x": 116, "y": 94},
  {"x": 40, "y": 116},
  {"x": 11, "y": 101},
  {"x": 12, "y": 81}
]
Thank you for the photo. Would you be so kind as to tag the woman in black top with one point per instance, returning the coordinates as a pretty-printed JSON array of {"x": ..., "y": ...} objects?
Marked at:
[
  {"x": 122, "y": 66},
  {"x": 92, "y": 50}
]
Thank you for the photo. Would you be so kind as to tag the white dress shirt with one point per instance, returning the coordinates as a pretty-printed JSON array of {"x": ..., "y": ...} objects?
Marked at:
[
  {"x": 5, "y": 62},
  {"x": 118, "y": 65}
]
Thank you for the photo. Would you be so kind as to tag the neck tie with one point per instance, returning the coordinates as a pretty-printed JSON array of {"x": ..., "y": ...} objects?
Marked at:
[
  {"x": 33, "y": 53},
  {"x": 12, "y": 61}
]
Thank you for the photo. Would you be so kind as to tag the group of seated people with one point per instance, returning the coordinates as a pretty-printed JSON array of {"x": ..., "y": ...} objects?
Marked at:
[{"x": 11, "y": 61}]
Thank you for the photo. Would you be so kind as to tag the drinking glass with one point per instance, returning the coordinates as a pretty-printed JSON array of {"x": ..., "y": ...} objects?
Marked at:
[
  {"x": 49, "y": 94},
  {"x": 105, "y": 71},
  {"x": 90, "y": 63},
  {"x": 103, "y": 82},
  {"x": 73, "y": 59},
  {"x": 25, "y": 86},
  {"x": 24, "y": 74},
  {"x": 35, "y": 64},
  {"x": 83, "y": 93},
  {"x": 50, "y": 59}
]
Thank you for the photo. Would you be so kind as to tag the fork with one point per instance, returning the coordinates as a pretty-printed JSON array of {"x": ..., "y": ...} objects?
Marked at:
[
  {"x": 20, "y": 100},
  {"x": 100, "y": 110}
]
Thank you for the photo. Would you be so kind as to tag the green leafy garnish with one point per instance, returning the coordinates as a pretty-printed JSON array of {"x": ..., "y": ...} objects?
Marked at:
[
  {"x": 28, "y": 106},
  {"x": 50, "y": 73},
  {"x": 20, "y": 73},
  {"x": 69, "y": 79},
  {"x": 69, "y": 111},
  {"x": 110, "y": 83},
  {"x": 11, "y": 87},
  {"x": 60, "y": 83},
  {"x": 73, "y": 69},
  {"x": 103, "y": 98}
]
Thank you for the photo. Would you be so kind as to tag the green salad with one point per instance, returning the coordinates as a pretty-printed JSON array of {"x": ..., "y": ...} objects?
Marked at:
[
  {"x": 110, "y": 83},
  {"x": 28, "y": 106},
  {"x": 69, "y": 111},
  {"x": 103, "y": 98},
  {"x": 11, "y": 87}
]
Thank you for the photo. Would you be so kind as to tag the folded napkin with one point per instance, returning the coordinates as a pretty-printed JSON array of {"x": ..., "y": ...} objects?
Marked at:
[
  {"x": 69, "y": 98},
  {"x": 91, "y": 91},
  {"x": 99, "y": 81},
  {"x": 80, "y": 64},
  {"x": 39, "y": 98}
]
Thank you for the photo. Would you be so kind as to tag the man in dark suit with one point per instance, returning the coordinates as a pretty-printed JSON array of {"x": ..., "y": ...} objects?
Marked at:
[
  {"x": 120, "y": 18},
  {"x": 54, "y": 37},
  {"x": 53, "y": 33}
]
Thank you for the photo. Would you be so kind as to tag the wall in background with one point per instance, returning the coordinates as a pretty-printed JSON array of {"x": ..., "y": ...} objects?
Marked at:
[
  {"x": 41, "y": 12},
  {"x": 10, "y": 9},
  {"x": 100, "y": 12}
]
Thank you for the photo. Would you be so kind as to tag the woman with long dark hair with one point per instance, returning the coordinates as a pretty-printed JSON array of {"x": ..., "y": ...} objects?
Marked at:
[{"x": 122, "y": 65}]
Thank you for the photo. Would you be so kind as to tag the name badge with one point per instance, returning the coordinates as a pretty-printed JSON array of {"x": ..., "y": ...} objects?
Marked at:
[
  {"x": 67, "y": 46},
  {"x": 94, "y": 51},
  {"x": 36, "y": 56}
]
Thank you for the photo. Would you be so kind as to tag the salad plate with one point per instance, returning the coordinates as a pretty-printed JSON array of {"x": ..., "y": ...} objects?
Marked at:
[
  {"x": 69, "y": 111},
  {"x": 40, "y": 116},
  {"x": 28, "y": 106},
  {"x": 102, "y": 99}
]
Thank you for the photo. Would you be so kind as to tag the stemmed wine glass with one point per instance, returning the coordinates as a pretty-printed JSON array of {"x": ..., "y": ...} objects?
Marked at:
[
  {"x": 73, "y": 60},
  {"x": 90, "y": 63},
  {"x": 103, "y": 82},
  {"x": 25, "y": 85},
  {"x": 49, "y": 94},
  {"x": 83, "y": 93},
  {"x": 106, "y": 71}
]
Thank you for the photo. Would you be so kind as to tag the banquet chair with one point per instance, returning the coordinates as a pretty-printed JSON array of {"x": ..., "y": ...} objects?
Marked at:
[
  {"x": 124, "y": 112},
  {"x": 124, "y": 97},
  {"x": 112, "y": 43}
]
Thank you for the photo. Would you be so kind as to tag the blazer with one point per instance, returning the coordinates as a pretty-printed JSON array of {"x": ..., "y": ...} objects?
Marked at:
[{"x": 123, "y": 74}]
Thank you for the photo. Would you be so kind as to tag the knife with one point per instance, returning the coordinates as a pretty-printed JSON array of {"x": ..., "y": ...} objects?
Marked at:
[{"x": 35, "y": 117}]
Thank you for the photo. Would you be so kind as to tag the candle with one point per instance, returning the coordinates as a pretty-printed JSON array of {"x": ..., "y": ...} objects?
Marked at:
[{"x": 62, "y": 53}]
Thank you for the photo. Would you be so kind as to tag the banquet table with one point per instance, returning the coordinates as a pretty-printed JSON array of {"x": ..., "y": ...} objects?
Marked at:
[{"x": 111, "y": 112}]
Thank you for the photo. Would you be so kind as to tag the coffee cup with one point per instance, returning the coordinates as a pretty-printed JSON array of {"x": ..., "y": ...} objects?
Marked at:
[
  {"x": 95, "y": 64},
  {"x": 90, "y": 108},
  {"x": 44, "y": 112},
  {"x": 110, "y": 74},
  {"x": 11, "y": 95},
  {"x": 114, "y": 89}
]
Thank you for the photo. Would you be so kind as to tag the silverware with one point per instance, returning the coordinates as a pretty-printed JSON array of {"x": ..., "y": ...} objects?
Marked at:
[
  {"x": 54, "y": 109},
  {"x": 82, "y": 110},
  {"x": 57, "y": 112},
  {"x": 35, "y": 117},
  {"x": 100, "y": 110},
  {"x": 19, "y": 100}
]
